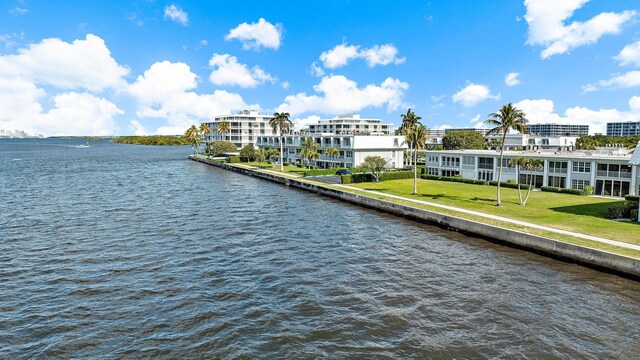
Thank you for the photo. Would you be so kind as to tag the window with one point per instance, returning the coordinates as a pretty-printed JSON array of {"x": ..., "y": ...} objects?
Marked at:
[
  {"x": 432, "y": 159},
  {"x": 582, "y": 167},
  {"x": 432, "y": 171},
  {"x": 349, "y": 154},
  {"x": 485, "y": 163},
  {"x": 485, "y": 175},
  {"x": 450, "y": 173},
  {"x": 556, "y": 181},
  {"x": 579, "y": 184},
  {"x": 557, "y": 167},
  {"x": 468, "y": 160},
  {"x": 450, "y": 161}
]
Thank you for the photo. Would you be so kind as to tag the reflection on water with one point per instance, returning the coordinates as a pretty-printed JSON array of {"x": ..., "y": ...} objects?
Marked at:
[{"x": 128, "y": 251}]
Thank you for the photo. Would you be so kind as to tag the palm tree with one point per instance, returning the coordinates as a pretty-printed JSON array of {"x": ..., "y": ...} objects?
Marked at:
[
  {"x": 261, "y": 155},
  {"x": 333, "y": 153},
  {"x": 531, "y": 165},
  {"x": 193, "y": 136},
  {"x": 281, "y": 124},
  {"x": 408, "y": 121},
  {"x": 417, "y": 136},
  {"x": 204, "y": 129},
  {"x": 224, "y": 127},
  {"x": 307, "y": 149},
  {"x": 518, "y": 163},
  {"x": 508, "y": 117}
]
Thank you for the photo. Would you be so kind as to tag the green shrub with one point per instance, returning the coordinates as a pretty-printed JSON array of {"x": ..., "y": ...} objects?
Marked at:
[
  {"x": 396, "y": 175},
  {"x": 562, "y": 190},
  {"x": 346, "y": 179},
  {"x": 511, "y": 181},
  {"x": 632, "y": 198},
  {"x": 286, "y": 163},
  {"x": 588, "y": 191},
  {"x": 454, "y": 179},
  {"x": 621, "y": 210},
  {"x": 234, "y": 159},
  {"x": 633, "y": 214},
  {"x": 510, "y": 185},
  {"x": 321, "y": 172}
]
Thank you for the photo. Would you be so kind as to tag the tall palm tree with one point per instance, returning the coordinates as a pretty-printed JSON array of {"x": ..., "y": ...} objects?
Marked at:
[
  {"x": 261, "y": 155},
  {"x": 307, "y": 149},
  {"x": 518, "y": 163},
  {"x": 204, "y": 129},
  {"x": 417, "y": 136},
  {"x": 507, "y": 118},
  {"x": 193, "y": 136},
  {"x": 408, "y": 121},
  {"x": 281, "y": 124},
  {"x": 223, "y": 128},
  {"x": 531, "y": 165},
  {"x": 333, "y": 153}
]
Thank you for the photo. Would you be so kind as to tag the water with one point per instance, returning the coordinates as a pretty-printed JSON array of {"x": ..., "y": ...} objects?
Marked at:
[{"x": 123, "y": 251}]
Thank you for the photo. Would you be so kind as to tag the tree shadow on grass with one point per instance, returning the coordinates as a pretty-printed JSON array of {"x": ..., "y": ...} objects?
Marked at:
[
  {"x": 376, "y": 189},
  {"x": 492, "y": 200},
  {"x": 595, "y": 210}
]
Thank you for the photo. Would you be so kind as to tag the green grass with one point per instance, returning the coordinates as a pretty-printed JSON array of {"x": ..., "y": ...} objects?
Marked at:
[
  {"x": 287, "y": 169},
  {"x": 580, "y": 214}
]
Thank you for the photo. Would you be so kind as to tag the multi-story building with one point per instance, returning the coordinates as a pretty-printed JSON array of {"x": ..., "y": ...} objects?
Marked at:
[
  {"x": 557, "y": 130},
  {"x": 350, "y": 124},
  {"x": 353, "y": 149},
  {"x": 629, "y": 128},
  {"x": 245, "y": 126},
  {"x": 532, "y": 142},
  {"x": 608, "y": 171}
]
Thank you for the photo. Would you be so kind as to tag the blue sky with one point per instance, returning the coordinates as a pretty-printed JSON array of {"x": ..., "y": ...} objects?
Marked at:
[{"x": 145, "y": 67}]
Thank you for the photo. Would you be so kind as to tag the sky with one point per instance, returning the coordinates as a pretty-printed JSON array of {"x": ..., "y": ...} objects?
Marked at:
[{"x": 157, "y": 67}]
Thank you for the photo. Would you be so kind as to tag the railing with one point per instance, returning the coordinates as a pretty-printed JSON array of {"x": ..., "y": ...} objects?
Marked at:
[
  {"x": 557, "y": 171},
  {"x": 615, "y": 174}
]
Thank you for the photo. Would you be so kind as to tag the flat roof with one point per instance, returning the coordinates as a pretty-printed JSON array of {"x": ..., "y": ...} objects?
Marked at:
[{"x": 582, "y": 154}]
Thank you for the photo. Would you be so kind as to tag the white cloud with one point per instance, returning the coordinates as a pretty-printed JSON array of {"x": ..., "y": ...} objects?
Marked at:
[
  {"x": 337, "y": 94},
  {"x": 228, "y": 71},
  {"x": 542, "y": 111},
  {"x": 163, "y": 92},
  {"x": 473, "y": 94},
  {"x": 512, "y": 79},
  {"x": 316, "y": 70},
  {"x": 377, "y": 55},
  {"x": 300, "y": 123},
  {"x": 82, "y": 64},
  {"x": 547, "y": 28},
  {"x": 626, "y": 80},
  {"x": 137, "y": 128},
  {"x": 257, "y": 35},
  {"x": 18, "y": 11},
  {"x": 285, "y": 85},
  {"x": 475, "y": 119},
  {"x": 630, "y": 55},
  {"x": 176, "y": 14}
]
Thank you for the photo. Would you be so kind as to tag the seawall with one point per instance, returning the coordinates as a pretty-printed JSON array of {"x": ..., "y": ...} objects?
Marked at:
[{"x": 597, "y": 259}]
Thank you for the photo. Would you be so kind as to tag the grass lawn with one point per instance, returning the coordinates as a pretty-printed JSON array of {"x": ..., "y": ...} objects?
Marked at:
[
  {"x": 287, "y": 169},
  {"x": 581, "y": 214}
]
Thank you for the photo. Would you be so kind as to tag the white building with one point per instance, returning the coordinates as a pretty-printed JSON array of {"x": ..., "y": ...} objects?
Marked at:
[
  {"x": 608, "y": 171},
  {"x": 629, "y": 128},
  {"x": 534, "y": 142},
  {"x": 246, "y": 126},
  {"x": 353, "y": 148},
  {"x": 351, "y": 124}
]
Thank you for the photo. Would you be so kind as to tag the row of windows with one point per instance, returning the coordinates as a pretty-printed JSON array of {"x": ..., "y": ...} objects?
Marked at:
[
  {"x": 581, "y": 166},
  {"x": 579, "y": 184},
  {"x": 450, "y": 161}
]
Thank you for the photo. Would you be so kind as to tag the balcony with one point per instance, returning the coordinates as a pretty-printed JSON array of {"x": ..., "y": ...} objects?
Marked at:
[
  {"x": 614, "y": 174},
  {"x": 557, "y": 171}
]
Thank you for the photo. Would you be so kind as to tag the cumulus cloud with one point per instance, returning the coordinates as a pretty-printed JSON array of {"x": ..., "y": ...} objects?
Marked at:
[
  {"x": 262, "y": 34},
  {"x": 137, "y": 128},
  {"x": 630, "y": 55},
  {"x": 475, "y": 119},
  {"x": 300, "y": 123},
  {"x": 164, "y": 91},
  {"x": 377, "y": 55},
  {"x": 512, "y": 79},
  {"x": 547, "y": 27},
  {"x": 316, "y": 70},
  {"x": 336, "y": 94},
  {"x": 541, "y": 111},
  {"x": 176, "y": 14},
  {"x": 228, "y": 71},
  {"x": 81, "y": 64},
  {"x": 626, "y": 80},
  {"x": 473, "y": 94}
]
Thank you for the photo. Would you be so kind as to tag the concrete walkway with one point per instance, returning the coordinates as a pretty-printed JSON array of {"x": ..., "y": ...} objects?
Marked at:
[{"x": 500, "y": 218}]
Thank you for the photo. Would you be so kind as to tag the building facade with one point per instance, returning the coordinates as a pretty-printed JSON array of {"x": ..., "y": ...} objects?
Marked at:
[
  {"x": 350, "y": 124},
  {"x": 353, "y": 149},
  {"x": 557, "y": 130},
  {"x": 608, "y": 172},
  {"x": 628, "y": 128},
  {"x": 246, "y": 126}
]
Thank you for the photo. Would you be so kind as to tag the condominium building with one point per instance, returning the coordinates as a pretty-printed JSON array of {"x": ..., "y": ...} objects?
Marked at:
[
  {"x": 609, "y": 172},
  {"x": 629, "y": 128},
  {"x": 351, "y": 124},
  {"x": 521, "y": 142},
  {"x": 353, "y": 149},
  {"x": 245, "y": 127},
  {"x": 557, "y": 130}
]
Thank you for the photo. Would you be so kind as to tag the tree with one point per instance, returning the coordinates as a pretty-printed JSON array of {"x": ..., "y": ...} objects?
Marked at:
[
  {"x": 507, "y": 118},
  {"x": 518, "y": 163},
  {"x": 418, "y": 137},
  {"x": 408, "y": 121},
  {"x": 374, "y": 165},
  {"x": 223, "y": 128},
  {"x": 193, "y": 137},
  {"x": 463, "y": 139},
  {"x": 221, "y": 147},
  {"x": 281, "y": 124},
  {"x": 273, "y": 154},
  {"x": 248, "y": 152},
  {"x": 261, "y": 155},
  {"x": 333, "y": 153},
  {"x": 307, "y": 150},
  {"x": 531, "y": 165}
]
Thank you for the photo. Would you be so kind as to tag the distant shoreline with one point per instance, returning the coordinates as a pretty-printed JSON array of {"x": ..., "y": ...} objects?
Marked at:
[{"x": 156, "y": 140}]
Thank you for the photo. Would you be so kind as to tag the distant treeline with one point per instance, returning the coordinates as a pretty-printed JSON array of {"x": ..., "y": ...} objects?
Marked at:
[
  {"x": 164, "y": 140},
  {"x": 591, "y": 142}
]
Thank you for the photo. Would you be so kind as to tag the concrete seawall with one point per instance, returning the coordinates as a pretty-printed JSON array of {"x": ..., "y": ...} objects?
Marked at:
[{"x": 600, "y": 260}]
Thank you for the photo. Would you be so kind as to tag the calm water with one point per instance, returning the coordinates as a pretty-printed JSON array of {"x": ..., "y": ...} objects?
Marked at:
[{"x": 122, "y": 251}]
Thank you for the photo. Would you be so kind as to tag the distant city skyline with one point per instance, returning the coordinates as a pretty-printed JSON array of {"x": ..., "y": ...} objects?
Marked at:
[{"x": 149, "y": 67}]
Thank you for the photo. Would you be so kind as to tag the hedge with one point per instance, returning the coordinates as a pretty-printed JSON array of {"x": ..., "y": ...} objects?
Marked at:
[
  {"x": 632, "y": 198},
  {"x": 365, "y": 177},
  {"x": 320, "y": 172},
  {"x": 562, "y": 190},
  {"x": 634, "y": 214},
  {"x": 508, "y": 185},
  {"x": 234, "y": 159},
  {"x": 454, "y": 179}
]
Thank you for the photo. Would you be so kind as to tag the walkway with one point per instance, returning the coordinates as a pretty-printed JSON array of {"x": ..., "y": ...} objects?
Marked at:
[{"x": 500, "y": 218}]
